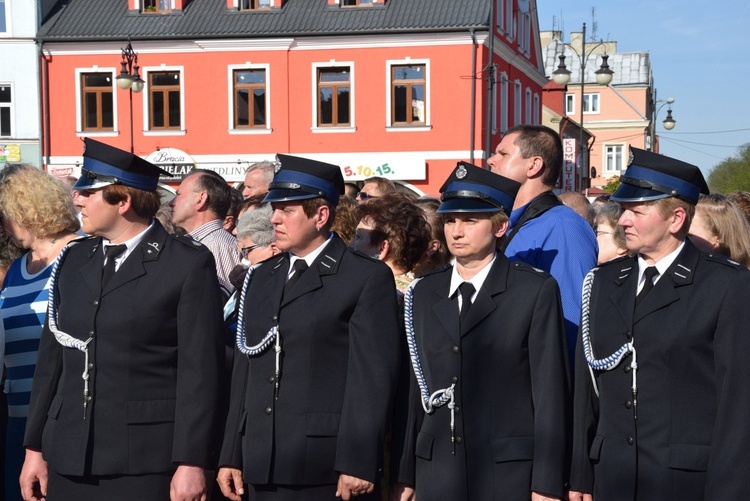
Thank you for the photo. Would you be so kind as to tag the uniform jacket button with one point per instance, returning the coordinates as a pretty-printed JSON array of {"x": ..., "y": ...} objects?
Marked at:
[
  {"x": 630, "y": 441},
  {"x": 96, "y": 302},
  {"x": 626, "y": 368},
  {"x": 271, "y": 379},
  {"x": 628, "y": 404},
  {"x": 455, "y": 349},
  {"x": 454, "y": 380},
  {"x": 268, "y": 410},
  {"x": 458, "y": 440}
]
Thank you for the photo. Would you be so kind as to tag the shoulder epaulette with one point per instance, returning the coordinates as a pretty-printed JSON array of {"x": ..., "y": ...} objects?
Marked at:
[{"x": 718, "y": 258}]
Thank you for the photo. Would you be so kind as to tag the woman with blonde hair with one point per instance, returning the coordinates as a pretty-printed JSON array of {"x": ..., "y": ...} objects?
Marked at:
[
  {"x": 38, "y": 214},
  {"x": 719, "y": 227}
]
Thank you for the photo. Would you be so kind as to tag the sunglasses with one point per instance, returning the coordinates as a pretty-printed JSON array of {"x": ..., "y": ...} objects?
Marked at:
[{"x": 362, "y": 195}]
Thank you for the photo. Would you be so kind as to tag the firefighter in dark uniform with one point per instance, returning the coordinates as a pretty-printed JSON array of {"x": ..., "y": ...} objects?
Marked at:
[
  {"x": 317, "y": 354},
  {"x": 488, "y": 414},
  {"x": 137, "y": 313},
  {"x": 662, "y": 407}
]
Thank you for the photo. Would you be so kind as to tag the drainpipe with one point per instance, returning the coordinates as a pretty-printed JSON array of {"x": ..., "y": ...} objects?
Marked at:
[
  {"x": 44, "y": 124},
  {"x": 491, "y": 85},
  {"x": 472, "y": 128}
]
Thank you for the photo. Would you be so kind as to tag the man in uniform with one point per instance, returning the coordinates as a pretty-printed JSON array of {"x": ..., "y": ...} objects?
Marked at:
[
  {"x": 661, "y": 389},
  {"x": 489, "y": 400},
  {"x": 318, "y": 354},
  {"x": 138, "y": 313}
]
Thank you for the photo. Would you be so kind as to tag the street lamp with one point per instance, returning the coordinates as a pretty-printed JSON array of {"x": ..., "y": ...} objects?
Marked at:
[
  {"x": 668, "y": 122},
  {"x": 603, "y": 75},
  {"x": 129, "y": 79}
]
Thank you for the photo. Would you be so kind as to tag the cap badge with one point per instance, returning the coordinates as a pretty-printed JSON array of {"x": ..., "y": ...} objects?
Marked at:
[
  {"x": 277, "y": 165},
  {"x": 630, "y": 158},
  {"x": 461, "y": 172}
]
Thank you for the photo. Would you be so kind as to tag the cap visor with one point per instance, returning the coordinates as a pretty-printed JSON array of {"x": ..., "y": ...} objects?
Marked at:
[
  {"x": 87, "y": 183},
  {"x": 466, "y": 205},
  {"x": 285, "y": 195},
  {"x": 630, "y": 193}
]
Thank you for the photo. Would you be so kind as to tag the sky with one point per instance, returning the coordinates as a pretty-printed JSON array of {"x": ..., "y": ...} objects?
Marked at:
[{"x": 699, "y": 55}]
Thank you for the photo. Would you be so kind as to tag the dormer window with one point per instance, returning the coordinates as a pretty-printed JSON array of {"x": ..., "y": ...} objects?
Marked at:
[
  {"x": 157, "y": 6},
  {"x": 357, "y": 3},
  {"x": 255, "y": 4}
]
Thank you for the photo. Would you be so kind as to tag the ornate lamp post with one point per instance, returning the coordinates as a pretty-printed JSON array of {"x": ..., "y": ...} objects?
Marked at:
[
  {"x": 130, "y": 79},
  {"x": 668, "y": 122},
  {"x": 561, "y": 76}
]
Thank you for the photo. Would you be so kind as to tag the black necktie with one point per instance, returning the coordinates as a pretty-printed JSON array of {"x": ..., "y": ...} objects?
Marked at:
[
  {"x": 467, "y": 290},
  {"x": 300, "y": 265},
  {"x": 650, "y": 273},
  {"x": 111, "y": 252}
]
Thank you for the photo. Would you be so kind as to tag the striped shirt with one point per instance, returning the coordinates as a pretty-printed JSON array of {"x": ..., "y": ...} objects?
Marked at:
[
  {"x": 223, "y": 245},
  {"x": 23, "y": 304}
]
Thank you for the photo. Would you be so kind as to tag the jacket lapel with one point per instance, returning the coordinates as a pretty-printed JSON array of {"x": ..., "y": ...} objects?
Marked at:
[
  {"x": 92, "y": 270},
  {"x": 149, "y": 249},
  {"x": 627, "y": 283},
  {"x": 664, "y": 293},
  {"x": 446, "y": 309},
  {"x": 327, "y": 263},
  {"x": 484, "y": 304}
]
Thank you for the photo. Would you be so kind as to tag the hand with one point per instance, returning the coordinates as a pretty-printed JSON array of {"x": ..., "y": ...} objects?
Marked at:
[
  {"x": 401, "y": 492},
  {"x": 349, "y": 487},
  {"x": 34, "y": 470},
  {"x": 231, "y": 483},
  {"x": 535, "y": 496},
  {"x": 579, "y": 496},
  {"x": 188, "y": 484}
]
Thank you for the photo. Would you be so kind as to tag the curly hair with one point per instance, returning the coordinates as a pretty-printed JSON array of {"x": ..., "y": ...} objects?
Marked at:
[
  {"x": 345, "y": 224},
  {"x": 396, "y": 219},
  {"x": 40, "y": 203}
]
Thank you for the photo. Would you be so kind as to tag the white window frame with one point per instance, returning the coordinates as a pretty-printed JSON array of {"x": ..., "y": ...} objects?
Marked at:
[
  {"x": 537, "y": 111},
  {"x": 517, "y": 102},
  {"x": 509, "y": 19},
  {"x": 496, "y": 108},
  {"x": 352, "y": 127},
  {"x": 607, "y": 154},
  {"x": 527, "y": 106},
  {"x": 11, "y": 106},
  {"x": 595, "y": 103},
  {"x": 570, "y": 104},
  {"x": 147, "y": 97},
  {"x": 504, "y": 102},
  {"x": 79, "y": 104},
  {"x": 389, "y": 64},
  {"x": 524, "y": 32},
  {"x": 500, "y": 15},
  {"x": 230, "y": 105}
]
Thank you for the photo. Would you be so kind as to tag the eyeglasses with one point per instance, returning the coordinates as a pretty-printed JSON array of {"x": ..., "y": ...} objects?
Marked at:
[
  {"x": 247, "y": 250},
  {"x": 363, "y": 195},
  {"x": 602, "y": 232}
]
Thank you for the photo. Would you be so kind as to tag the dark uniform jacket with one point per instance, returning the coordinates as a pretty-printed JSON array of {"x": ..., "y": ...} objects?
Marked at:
[
  {"x": 154, "y": 362},
  {"x": 340, "y": 356},
  {"x": 509, "y": 364},
  {"x": 691, "y": 439}
]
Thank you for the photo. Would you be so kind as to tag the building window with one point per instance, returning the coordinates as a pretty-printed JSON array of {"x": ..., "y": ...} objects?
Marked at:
[
  {"x": 524, "y": 32},
  {"x": 157, "y": 5},
  {"x": 570, "y": 104},
  {"x": 6, "y": 110},
  {"x": 334, "y": 90},
  {"x": 356, "y": 3},
  {"x": 509, "y": 18},
  {"x": 255, "y": 4},
  {"x": 500, "y": 15},
  {"x": 164, "y": 100},
  {"x": 408, "y": 94},
  {"x": 527, "y": 107},
  {"x": 536, "y": 109},
  {"x": 496, "y": 100},
  {"x": 591, "y": 103},
  {"x": 613, "y": 161},
  {"x": 3, "y": 17},
  {"x": 503, "y": 102},
  {"x": 249, "y": 98},
  {"x": 517, "y": 98},
  {"x": 97, "y": 102}
]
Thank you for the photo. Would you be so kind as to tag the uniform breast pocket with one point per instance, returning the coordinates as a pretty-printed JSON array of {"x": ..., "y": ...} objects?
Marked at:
[
  {"x": 423, "y": 448},
  {"x": 150, "y": 425}
]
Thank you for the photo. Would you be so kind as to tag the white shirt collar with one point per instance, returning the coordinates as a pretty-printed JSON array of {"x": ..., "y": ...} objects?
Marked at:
[
  {"x": 477, "y": 280},
  {"x": 309, "y": 258},
  {"x": 129, "y": 244},
  {"x": 661, "y": 266}
]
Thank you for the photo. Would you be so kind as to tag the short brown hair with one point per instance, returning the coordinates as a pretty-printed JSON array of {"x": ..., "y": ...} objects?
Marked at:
[
  {"x": 540, "y": 140},
  {"x": 311, "y": 205},
  {"x": 666, "y": 206},
  {"x": 396, "y": 219},
  {"x": 144, "y": 203}
]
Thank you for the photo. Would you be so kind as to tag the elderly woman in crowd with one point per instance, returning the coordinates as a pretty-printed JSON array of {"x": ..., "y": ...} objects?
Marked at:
[
  {"x": 38, "y": 215},
  {"x": 719, "y": 227},
  {"x": 392, "y": 229},
  {"x": 609, "y": 235}
]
